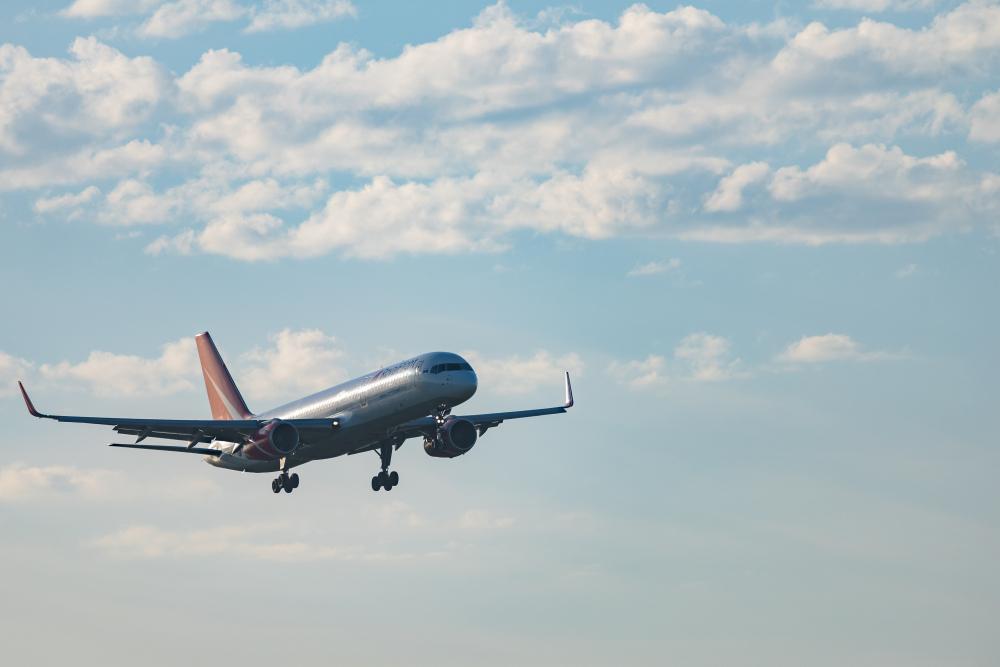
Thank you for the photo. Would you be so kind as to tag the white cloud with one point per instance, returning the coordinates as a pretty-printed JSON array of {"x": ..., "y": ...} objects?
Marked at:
[
  {"x": 985, "y": 118},
  {"x": 25, "y": 483},
  {"x": 968, "y": 36},
  {"x": 297, "y": 362},
  {"x": 448, "y": 215},
  {"x": 655, "y": 267},
  {"x": 672, "y": 124},
  {"x": 97, "y": 8},
  {"x": 12, "y": 368},
  {"x": 876, "y": 6},
  {"x": 825, "y": 348},
  {"x": 496, "y": 64},
  {"x": 728, "y": 196},
  {"x": 288, "y": 14},
  {"x": 907, "y": 271},
  {"x": 214, "y": 196},
  {"x": 98, "y": 92},
  {"x": 137, "y": 156},
  {"x": 523, "y": 375},
  {"x": 109, "y": 374},
  {"x": 707, "y": 357},
  {"x": 181, "y": 244},
  {"x": 21, "y": 483},
  {"x": 176, "y": 18},
  {"x": 873, "y": 170},
  {"x": 699, "y": 357},
  {"x": 294, "y": 363},
  {"x": 247, "y": 541},
  {"x": 647, "y": 372},
  {"x": 66, "y": 201},
  {"x": 482, "y": 520},
  {"x": 871, "y": 193},
  {"x": 181, "y": 17}
]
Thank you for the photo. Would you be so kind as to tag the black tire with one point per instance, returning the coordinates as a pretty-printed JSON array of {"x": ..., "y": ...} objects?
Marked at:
[
  {"x": 276, "y": 485},
  {"x": 294, "y": 479},
  {"x": 376, "y": 483},
  {"x": 383, "y": 478},
  {"x": 393, "y": 478}
]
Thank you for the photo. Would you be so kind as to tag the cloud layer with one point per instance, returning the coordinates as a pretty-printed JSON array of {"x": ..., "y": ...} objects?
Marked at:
[
  {"x": 670, "y": 124},
  {"x": 170, "y": 19}
]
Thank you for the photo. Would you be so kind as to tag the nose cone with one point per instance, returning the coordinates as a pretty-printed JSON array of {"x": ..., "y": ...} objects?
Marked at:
[{"x": 467, "y": 384}]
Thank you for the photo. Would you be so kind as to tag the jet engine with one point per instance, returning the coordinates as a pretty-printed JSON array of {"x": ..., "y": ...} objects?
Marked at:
[
  {"x": 275, "y": 440},
  {"x": 453, "y": 438}
]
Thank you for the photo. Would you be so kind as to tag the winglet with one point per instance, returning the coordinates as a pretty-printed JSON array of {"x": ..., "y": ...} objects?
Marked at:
[
  {"x": 27, "y": 401},
  {"x": 569, "y": 393}
]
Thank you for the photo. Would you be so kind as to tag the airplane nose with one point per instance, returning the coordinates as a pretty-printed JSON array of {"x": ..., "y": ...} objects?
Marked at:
[{"x": 469, "y": 385}]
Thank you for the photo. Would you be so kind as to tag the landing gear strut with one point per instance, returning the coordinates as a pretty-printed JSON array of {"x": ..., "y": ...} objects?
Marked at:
[
  {"x": 284, "y": 480},
  {"x": 440, "y": 413},
  {"x": 385, "y": 479}
]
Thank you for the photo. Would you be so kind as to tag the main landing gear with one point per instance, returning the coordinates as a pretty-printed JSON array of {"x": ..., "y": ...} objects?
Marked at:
[
  {"x": 285, "y": 481},
  {"x": 385, "y": 479}
]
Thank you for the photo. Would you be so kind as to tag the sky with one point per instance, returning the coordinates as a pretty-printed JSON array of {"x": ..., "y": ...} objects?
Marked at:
[{"x": 762, "y": 236}]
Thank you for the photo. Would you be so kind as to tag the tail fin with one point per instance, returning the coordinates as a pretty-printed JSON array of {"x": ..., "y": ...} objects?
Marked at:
[{"x": 223, "y": 396}]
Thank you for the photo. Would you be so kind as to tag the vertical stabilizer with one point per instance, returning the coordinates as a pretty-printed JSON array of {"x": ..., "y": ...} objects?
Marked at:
[{"x": 223, "y": 396}]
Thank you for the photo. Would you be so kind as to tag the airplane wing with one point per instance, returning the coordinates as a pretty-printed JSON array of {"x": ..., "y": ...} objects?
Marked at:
[
  {"x": 488, "y": 420},
  {"x": 193, "y": 431}
]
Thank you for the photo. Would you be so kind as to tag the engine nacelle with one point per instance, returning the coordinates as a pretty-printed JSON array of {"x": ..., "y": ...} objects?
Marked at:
[
  {"x": 275, "y": 440},
  {"x": 454, "y": 438}
]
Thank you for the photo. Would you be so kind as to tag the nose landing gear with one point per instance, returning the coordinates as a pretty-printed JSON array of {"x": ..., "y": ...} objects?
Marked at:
[
  {"x": 440, "y": 413},
  {"x": 385, "y": 479}
]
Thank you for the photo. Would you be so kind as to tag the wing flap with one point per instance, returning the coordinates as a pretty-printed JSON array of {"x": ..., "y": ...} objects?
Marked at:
[{"x": 168, "y": 448}]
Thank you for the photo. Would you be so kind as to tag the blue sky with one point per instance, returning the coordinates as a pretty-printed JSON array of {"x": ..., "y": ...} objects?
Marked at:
[{"x": 763, "y": 237}]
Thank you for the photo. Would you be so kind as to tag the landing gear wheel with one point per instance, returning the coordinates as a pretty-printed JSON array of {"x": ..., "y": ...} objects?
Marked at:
[
  {"x": 376, "y": 483},
  {"x": 276, "y": 485},
  {"x": 393, "y": 478},
  {"x": 294, "y": 480}
]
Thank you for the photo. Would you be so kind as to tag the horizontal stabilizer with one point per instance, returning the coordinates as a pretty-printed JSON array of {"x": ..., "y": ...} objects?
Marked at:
[{"x": 168, "y": 448}]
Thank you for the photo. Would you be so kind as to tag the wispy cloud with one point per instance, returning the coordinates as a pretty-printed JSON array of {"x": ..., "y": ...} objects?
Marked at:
[
  {"x": 295, "y": 363},
  {"x": 826, "y": 348},
  {"x": 289, "y": 14},
  {"x": 875, "y": 6},
  {"x": 522, "y": 375},
  {"x": 170, "y": 19},
  {"x": 699, "y": 357},
  {"x": 655, "y": 267},
  {"x": 181, "y": 17},
  {"x": 243, "y": 541},
  {"x": 23, "y": 483},
  {"x": 175, "y": 370}
]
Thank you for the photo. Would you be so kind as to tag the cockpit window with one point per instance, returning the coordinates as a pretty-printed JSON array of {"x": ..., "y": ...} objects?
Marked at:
[{"x": 440, "y": 368}]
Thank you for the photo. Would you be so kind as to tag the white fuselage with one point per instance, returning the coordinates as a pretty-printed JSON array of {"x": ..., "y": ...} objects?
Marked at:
[{"x": 368, "y": 408}]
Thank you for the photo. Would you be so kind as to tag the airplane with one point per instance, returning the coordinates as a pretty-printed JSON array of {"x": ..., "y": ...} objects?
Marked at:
[{"x": 376, "y": 412}]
